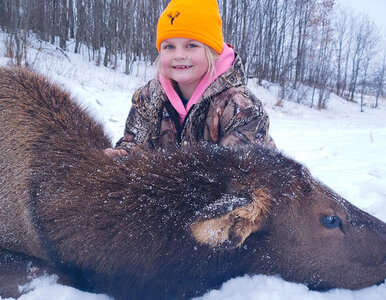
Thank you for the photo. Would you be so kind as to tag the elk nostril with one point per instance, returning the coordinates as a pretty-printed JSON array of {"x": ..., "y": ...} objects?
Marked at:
[{"x": 380, "y": 282}]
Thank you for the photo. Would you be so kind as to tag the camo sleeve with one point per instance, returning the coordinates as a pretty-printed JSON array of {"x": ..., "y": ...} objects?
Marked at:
[
  {"x": 137, "y": 125},
  {"x": 244, "y": 121}
]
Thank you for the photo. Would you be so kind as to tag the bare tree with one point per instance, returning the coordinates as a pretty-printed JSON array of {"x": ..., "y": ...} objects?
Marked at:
[
  {"x": 359, "y": 48},
  {"x": 342, "y": 25},
  {"x": 80, "y": 25},
  {"x": 64, "y": 24},
  {"x": 370, "y": 50},
  {"x": 379, "y": 79}
]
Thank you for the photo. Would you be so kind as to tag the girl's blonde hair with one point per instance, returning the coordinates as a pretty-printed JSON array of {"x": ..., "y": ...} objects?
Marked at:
[{"x": 211, "y": 55}]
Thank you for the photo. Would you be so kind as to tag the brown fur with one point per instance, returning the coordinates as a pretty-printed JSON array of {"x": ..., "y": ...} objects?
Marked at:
[{"x": 159, "y": 224}]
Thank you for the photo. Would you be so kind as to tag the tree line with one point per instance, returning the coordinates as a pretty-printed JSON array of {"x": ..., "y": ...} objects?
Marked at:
[{"x": 291, "y": 42}]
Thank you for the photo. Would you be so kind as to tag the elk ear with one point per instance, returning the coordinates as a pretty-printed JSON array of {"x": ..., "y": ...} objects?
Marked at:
[{"x": 234, "y": 227}]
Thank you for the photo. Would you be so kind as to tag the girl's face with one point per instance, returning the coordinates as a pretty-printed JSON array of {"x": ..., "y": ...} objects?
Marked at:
[{"x": 184, "y": 61}]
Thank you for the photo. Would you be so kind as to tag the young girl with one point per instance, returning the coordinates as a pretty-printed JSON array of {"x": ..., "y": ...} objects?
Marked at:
[{"x": 200, "y": 92}]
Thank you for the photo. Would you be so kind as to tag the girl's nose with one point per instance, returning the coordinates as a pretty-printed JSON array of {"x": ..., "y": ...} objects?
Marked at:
[{"x": 180, "y": 54}]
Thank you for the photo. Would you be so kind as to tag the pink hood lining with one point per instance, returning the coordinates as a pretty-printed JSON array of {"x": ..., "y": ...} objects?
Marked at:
[{"x": 224, "y": 62}]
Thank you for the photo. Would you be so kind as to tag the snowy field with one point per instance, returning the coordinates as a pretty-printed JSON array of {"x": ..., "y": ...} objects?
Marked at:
[{"x": 341, "y": 146}]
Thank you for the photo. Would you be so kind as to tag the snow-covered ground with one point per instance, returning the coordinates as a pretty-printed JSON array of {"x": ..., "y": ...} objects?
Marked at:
[{"x": 341, "y": 146}]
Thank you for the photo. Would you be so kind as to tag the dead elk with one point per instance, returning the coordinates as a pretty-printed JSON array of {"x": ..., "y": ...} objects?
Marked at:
[{"x": 162, "y": 224}]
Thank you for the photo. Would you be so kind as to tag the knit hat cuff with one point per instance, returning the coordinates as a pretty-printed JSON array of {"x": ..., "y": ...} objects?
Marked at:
[{"x": 212, "y": 42}]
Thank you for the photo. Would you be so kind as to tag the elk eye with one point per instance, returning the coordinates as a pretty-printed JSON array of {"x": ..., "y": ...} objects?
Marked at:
[{"x": 331, "y": 222}]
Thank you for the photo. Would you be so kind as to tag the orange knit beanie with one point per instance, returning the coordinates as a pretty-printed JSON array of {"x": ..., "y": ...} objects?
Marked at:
[{"x": 192, "y": 19}]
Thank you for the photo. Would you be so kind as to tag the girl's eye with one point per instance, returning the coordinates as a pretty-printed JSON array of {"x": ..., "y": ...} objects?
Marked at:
[
  {"x": 192, "y": 45},
  {"x": 331, "y": 222},
  {"x": 169, "y": 47}
]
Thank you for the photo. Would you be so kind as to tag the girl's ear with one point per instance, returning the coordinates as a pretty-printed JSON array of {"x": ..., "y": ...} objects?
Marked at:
[{"x": 233, "y": 228}]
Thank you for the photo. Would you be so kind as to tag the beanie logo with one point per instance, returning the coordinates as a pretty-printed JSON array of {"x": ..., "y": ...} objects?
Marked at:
[{"x": 171, "y": 17}]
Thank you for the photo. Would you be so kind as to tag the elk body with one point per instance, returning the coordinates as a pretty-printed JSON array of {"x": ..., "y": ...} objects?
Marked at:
[{"x": 162, "y": 224}]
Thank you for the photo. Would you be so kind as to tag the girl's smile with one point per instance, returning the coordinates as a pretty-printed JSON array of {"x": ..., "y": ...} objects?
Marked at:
[
  {"x": 184, "y": 61},
  {"x": 181, "y": 67}
]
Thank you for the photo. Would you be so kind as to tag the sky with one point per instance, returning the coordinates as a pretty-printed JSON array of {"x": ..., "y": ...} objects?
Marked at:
[{"x": 375, "y": 9}]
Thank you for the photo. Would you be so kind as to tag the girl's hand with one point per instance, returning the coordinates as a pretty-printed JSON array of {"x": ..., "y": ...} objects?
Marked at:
[{"x": 115, "y": 152}]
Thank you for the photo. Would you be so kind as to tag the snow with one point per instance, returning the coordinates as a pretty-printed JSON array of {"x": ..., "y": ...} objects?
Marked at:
[
  {"x": 343, "y": 147},
  {"x": 261, "y": 287},
  {"x": 46, "y": 288}
]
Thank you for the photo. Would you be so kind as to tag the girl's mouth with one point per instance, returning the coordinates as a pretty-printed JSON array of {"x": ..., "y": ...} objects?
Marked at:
[{"x": 181, "y": 67}]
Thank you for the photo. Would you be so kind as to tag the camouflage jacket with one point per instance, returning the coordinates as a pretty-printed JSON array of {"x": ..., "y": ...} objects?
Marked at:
[{"x": 227, "y": 114}]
